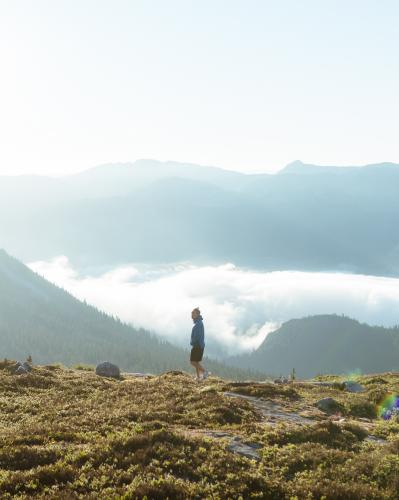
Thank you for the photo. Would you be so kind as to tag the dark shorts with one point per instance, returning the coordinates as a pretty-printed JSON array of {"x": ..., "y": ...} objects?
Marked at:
[{"x": 196, "y": 353}]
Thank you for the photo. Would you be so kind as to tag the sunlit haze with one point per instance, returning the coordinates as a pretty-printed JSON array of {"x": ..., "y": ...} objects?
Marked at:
[
  {"x": 240, "y": 306},
  {"x": 247, "y": 86}
]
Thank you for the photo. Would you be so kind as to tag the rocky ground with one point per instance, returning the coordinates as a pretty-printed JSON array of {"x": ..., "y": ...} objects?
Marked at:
[{"x": 68, "y": 433}]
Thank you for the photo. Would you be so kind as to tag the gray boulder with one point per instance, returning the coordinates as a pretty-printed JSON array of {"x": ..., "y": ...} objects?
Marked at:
[
  {"x": 236, "y": 445},
  {"x": 27, "y": 366},
  {"x": 21, "y": 371},
  {"x": 21, "y": 368},
  {"x": 108, "y": 369},
  {"x": 281, "y": 380},
  {"x": 249, "y": 450},
  {"x": 329, "y": 405},
  {"x": 351, "y": 386}
]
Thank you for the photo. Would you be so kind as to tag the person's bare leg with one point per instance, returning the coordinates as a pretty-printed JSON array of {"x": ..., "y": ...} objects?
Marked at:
[
  {"x": 195, "y": 364},
  {"x": 201, "y": 368}
]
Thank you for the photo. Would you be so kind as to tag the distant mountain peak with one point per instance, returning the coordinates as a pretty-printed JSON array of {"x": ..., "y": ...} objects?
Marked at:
[
  {"x": 295, "y": 164},
  {"x": 299, "y": 167}
]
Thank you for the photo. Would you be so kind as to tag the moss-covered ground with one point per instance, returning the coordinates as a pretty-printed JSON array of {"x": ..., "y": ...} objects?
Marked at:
[{"x": 69, "y": 434}]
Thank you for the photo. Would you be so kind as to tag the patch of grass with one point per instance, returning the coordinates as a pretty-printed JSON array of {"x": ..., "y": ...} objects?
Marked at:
[
  {"x": 83, "y": 367},
  {"x": 375, "y": 381},
  {"x": 327, "y": 433},
  {"x": 6, "y": 364},
  {"x": 26, "y": 457},
  {"x": 266, "y": 390},
  {"x": 71, "y": 434},
  {"x": 386, "y": 429},
  {"x": 363, "y": 409}
]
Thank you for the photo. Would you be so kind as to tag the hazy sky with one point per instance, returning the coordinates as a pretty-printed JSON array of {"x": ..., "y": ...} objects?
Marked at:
[{"x": 247, "y": 85}]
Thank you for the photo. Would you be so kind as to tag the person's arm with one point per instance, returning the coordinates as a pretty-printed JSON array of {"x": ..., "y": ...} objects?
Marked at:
[{"x": 194, "y": 335}]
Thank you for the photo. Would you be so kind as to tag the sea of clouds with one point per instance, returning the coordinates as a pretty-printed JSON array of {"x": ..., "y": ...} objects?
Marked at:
[{"x": 240, "y": 307}]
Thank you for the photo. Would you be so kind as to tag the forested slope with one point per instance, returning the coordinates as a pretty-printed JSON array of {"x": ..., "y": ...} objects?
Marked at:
[
  {"x": 326, "y": 343},
  {"x": 42, "y": 320}
]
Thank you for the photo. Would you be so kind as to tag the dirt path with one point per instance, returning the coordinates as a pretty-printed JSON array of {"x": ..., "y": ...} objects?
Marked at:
[{"x": 272, "y": 413}]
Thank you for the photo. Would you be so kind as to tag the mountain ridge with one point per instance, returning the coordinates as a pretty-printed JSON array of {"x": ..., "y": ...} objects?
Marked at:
[
  {"x": 325, "y": 343},
  {"x": 299, "y": 167},
  {"x": 272, "y": 222},
  {"x": 296, "y": 166}
]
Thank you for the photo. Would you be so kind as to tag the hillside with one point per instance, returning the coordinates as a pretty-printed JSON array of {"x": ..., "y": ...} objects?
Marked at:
[
  {"x": 325, "y": 344},
  {"x": 71, "y": 434},
  {"x": 39, "y": 319},
  {"x": 306, "y": 217}
]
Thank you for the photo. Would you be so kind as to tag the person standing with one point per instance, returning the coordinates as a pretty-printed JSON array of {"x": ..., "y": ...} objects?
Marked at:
[{"x": 198, "y": 344}]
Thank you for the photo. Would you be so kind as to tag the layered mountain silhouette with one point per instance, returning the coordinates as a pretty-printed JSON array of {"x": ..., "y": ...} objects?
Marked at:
[
  {"x": 306, "y": 217},
  {"x": 325, "y": 344},
  {"x": 39, "y": 319}
]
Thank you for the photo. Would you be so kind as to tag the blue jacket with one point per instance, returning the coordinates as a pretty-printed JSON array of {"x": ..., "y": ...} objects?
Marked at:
[{"x": 197, "y": 333}]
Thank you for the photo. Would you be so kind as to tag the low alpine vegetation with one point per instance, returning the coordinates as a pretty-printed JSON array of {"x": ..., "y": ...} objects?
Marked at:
[{"x": 67, "y": 433}]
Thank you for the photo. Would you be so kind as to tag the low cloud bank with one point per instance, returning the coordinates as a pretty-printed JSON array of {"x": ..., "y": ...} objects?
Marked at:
[{"x": 240, "y": 307}]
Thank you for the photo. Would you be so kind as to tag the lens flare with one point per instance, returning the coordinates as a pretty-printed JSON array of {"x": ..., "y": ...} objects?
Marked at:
[
  {"x": 389, "y": 408},
  {"x": 353, "y": 375}
]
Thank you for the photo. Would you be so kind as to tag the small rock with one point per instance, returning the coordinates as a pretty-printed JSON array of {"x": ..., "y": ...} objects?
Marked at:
[
  {"x": 329, "y": 405},
  {"x": 351, "y": 386},
  {"x": 281, "y": 380},
  {"x": 375, "y": 439},
  {"x": 247, "y": 450},
  {"x": 21, "y": 368},
  {"x": 255, "y": 446},
  {"x": 27, "y": 366},
  {"x": 108, "y": 369},
  {"x": 217, "y": 434},
  {"x": 21, "y": 371}
]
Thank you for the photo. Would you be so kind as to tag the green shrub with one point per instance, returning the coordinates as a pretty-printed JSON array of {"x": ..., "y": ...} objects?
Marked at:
[
  {"x": 326, "y": 433},
  {"x": 84, "y": 367},
  {"x": 363, "y": 409}
]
